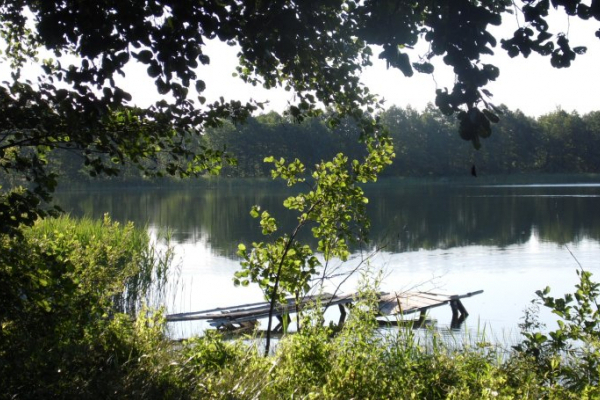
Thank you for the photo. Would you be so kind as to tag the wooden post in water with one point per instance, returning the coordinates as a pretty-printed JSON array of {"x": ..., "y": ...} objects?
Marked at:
[
  {"x": 284, "y": 321},
  {"x": 342, "y": 315},
  {"x": 459, "y": 313}
]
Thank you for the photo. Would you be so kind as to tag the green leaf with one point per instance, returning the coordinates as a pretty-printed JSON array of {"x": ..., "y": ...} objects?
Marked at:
[{"x": 144, "y": 56}]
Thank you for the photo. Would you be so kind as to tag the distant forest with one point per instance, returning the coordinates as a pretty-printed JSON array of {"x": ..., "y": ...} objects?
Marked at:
[{"x": 427, "y": 144}]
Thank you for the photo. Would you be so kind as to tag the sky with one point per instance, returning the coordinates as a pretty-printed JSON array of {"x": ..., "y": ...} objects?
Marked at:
[{"x": 530, "y": 85}]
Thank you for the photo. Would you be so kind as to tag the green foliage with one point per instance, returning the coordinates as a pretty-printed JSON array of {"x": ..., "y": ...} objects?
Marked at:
[
  {"x": 210, "y": 353},
  {"x": 335, "y": 209},
  {"x": 64, "y": 286},
  {"x": 209, "y": 367},
  {"x": 69, "y": 281},
  {"x": 118, "y": 357},
  {"x": 361, "y": 361},
  {"x": 570, "y": 354},
  {"x": 303, "y": 361},
  {"x": 358, "y": 351}
]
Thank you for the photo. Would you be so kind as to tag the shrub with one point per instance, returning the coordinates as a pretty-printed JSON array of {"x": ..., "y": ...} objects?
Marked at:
[
  {"x": 568, "y": 357},
  {"x": 64, "y": 285}
]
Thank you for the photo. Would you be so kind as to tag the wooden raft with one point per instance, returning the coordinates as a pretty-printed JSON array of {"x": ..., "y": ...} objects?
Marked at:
[
  {"x": 397, "y": 303},
  {"x": 246, "y": 316},
  {"x": 403, "y": 303}
]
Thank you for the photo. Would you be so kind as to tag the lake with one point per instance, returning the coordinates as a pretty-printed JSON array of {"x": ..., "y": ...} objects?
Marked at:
[{"x": 508, "y": 240}]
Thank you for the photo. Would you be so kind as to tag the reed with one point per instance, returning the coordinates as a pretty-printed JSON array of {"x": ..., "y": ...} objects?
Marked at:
[{"x": 120, "y": 258}]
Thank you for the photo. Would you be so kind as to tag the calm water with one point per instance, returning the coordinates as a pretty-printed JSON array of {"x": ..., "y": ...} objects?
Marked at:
[{"x": 509, "y": 240}]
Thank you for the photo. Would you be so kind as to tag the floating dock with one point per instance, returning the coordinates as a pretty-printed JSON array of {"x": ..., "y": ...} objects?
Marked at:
[{"x": 390, "y": 304}]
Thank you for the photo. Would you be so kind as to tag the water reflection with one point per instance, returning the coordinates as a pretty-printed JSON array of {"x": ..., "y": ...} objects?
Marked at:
[
  {"x": 506, "y": 240},
  {"x": 405, "y": 217},
  {"x": 445, "y": 216}
]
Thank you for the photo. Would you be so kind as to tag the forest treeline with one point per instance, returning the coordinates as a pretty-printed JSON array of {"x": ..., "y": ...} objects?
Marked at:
[{"x": 426, "y": 143}]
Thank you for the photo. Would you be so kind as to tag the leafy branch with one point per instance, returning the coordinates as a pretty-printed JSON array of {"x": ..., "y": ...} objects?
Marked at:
[{"x": 334, "y": 207}]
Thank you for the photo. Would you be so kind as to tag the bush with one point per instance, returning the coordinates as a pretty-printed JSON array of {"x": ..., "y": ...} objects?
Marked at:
[
  {"x": 360, "y": 362},
  {"x": 64, "y": 288},
  {"x": 568, "y": 357}
]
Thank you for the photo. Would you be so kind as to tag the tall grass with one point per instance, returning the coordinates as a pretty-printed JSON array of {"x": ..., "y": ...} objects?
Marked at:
[
  {"x": 121, "y": 259},
  {"x": 73, "y": 324}
]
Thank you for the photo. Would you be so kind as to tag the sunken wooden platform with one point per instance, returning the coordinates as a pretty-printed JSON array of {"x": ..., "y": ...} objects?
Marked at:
[
  {"x": 396, "y": 303},
  {"x": 403, "y": 303}
]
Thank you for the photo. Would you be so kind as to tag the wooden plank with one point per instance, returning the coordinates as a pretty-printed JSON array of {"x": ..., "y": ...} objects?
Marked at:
[
  {"x": 409, "y": 302},
  {"x": 256, "y": 310},
  {"x": 432, "y": 297},
  {"x": 470, "y": 294},
  {"x": 218, "y": 309},
  {"x": 279, "y": 310},
  {"x": 242, "y": 307},
  {"x": 421, "y": 301},
  {"x": 418, "y": 305}
]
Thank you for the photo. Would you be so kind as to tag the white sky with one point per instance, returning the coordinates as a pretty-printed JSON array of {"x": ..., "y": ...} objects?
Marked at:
[{"x": 530, "y": 85}]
